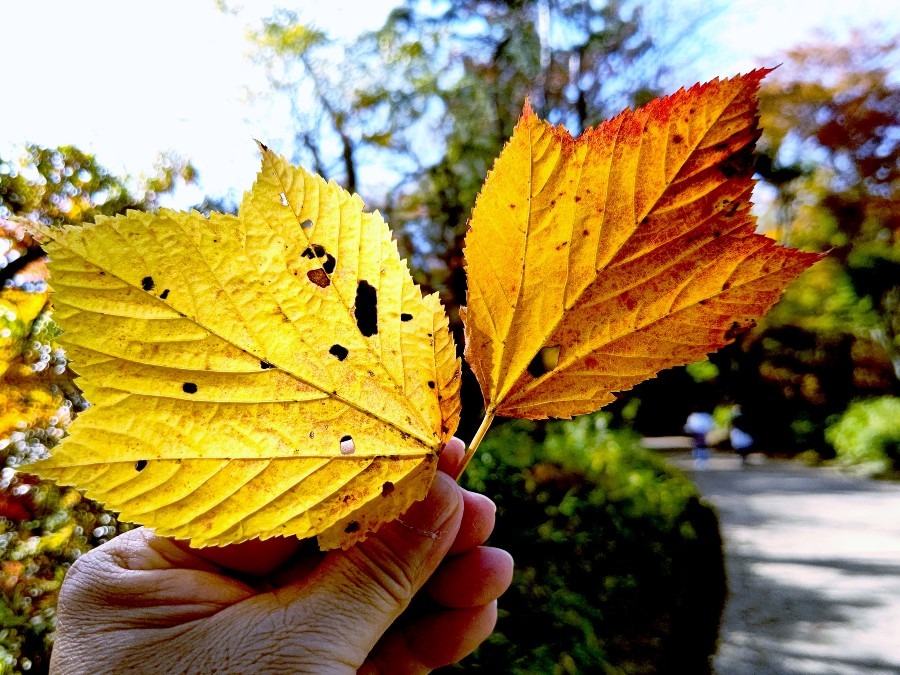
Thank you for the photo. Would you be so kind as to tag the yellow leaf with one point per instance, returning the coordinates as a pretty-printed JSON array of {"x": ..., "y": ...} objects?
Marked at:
[
  {"x": 273, "y": 373},
  {"x": 595, "y": 263}
]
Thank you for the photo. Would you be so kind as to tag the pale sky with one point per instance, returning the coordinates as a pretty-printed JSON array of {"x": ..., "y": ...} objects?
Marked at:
[{"x": 128, "y": 79}]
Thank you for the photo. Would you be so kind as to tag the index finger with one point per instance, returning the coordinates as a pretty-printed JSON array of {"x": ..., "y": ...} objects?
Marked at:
[{"x": 451, "y": 456}]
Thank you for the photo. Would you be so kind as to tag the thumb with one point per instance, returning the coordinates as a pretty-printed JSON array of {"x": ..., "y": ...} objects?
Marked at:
[{"x": 373, "y": 582}]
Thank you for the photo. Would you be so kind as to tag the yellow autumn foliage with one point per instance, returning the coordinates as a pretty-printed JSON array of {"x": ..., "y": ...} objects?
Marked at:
[
  {"x": 594, "y": 263},
  {"x": 273, "y": 373}
]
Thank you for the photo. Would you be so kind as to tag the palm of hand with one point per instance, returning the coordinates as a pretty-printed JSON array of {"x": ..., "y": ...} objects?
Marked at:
[{"x": 275, "y": 606}]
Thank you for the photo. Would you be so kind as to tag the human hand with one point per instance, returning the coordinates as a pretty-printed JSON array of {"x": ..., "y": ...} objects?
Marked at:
[{"x": 147, "y": 604}]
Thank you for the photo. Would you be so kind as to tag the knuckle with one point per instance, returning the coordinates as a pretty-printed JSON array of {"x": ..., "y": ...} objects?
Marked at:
[{"x": 392, "y": 574}]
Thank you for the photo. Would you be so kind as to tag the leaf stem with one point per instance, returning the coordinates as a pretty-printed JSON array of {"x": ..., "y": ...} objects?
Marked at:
[{"x": 476, "y": 441}]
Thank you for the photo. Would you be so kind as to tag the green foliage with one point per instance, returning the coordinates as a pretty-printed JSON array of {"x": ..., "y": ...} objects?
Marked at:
[
  {"x": 867, "y": 434},
  {"x": 702, "y": 371},
  {"x": 66, "y": 185},
  {"x": 618, "y": 565}
]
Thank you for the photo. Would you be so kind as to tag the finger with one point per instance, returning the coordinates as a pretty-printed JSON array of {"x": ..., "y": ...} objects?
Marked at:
[
  {"x": 451, "y": 456},
  {"x": 433, "y": 641},
  {"x": 255, "y": 557},
  {"x": 132, "y": 576},
  {"x": 479, "y": 515},
  {"x": 369, "y": 585},
  {"x": 480, "y": 576}
]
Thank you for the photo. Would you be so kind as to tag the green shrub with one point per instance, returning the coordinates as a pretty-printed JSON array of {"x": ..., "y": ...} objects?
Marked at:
[
  {"x": 867, "y": 435},
  {"x": 618, "y": 564}
]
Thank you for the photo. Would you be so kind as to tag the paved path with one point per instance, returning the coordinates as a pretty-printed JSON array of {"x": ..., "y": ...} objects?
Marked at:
[{"x": 813, "y": 559}]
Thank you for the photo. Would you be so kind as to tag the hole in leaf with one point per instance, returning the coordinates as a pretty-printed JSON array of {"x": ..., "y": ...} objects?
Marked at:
[
  {"x": 189, "y": 388},
  {"x": 318, "y": 251},
  {"x": 164, "y": 294},
  {"x": 352, "y": 526},
  {"x": 265, "y": 365},
  {"x": 319, "y": 278},
  {"x": 147, "y": 283},
  {"x": 430, "y": 384},
  {"x": 314, "y": 251},
  {"x": 339, "y": 351},
  {"x": 544, "y": 361},
  {"x": 366, "y": 309},
  {"x": 387, "y": 488},
  {"x": 284, "y": 200},
  {"x": 347, "y": 445},
  {"x": 406, "y": 317},
  {"x": 140, "y": 465}
]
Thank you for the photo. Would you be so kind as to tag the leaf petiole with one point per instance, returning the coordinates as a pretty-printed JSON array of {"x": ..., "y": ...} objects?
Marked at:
[{"x": 476, "y": 441}]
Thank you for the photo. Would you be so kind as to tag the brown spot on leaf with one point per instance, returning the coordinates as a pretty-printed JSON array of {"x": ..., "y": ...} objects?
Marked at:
[
  {"x": 678, "y": 138},
  {"x": 319, "y": 278},
  {"x": 352, "y": 526}
]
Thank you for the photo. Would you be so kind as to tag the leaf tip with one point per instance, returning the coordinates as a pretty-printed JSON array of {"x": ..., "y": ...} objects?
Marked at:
[{"x": 527, "y": 110}]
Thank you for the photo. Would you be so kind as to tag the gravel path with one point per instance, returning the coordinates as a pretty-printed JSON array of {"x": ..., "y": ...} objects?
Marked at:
[{"x": 813, "y": 560}]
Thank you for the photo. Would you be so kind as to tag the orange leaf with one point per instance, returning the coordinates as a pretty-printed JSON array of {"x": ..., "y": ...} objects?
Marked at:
[{"x": 595, "y": 263}]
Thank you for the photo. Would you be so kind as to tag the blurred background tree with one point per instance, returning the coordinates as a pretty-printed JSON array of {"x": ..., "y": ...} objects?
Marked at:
[
  {"x": 617, "y": 554},
  {"x": 828, "y": 166},
  {"x": 830, "y": 158},
  {"x": 434, "y": 94},
  {"x": 44, "y": 528}
]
